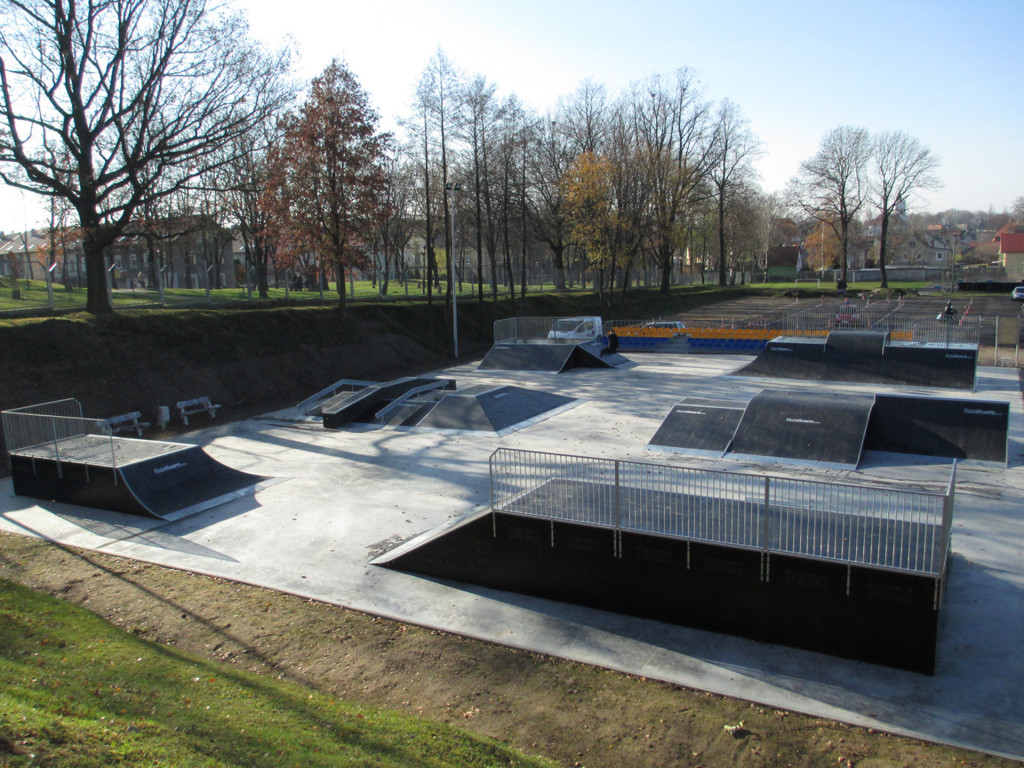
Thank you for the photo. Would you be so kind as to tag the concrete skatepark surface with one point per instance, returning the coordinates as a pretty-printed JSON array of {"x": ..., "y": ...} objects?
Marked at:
[{"x": 348, "y": 496}]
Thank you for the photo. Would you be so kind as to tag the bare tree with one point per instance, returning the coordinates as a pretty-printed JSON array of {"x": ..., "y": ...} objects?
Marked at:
[
  {"x": 246, "y": 184},
  {"x": 395, "y": 226},
  {"x": 140, "y": 96},
  {"x": 832, "y": 185},
  {"x": 481, "y": 115},
  {"x": 437, "y": 101},
  {"x": 441, "y": 90},
  {"x": 733, "y": 149},
  {"x": 768, "y": 209},
  {"x": 551, "y": 161},
  {"x": 585, "y": 116},
  {"x": 674, "y": 154},
  {"x": 901, "y": 165}
]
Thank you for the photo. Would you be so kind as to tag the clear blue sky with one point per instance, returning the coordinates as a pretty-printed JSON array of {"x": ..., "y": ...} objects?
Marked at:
[{"x": 944, "y": 71}]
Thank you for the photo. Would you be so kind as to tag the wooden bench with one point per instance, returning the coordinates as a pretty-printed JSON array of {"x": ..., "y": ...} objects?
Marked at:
[
  {"x": 127, "y": 421},
  {"x": 196, "y": 405}
]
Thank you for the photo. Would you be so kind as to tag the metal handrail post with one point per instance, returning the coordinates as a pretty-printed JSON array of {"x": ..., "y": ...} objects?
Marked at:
[
  {"x": 947, "y": 516},
  {"x": 49, "y": 287},
  {"x": 618, "y": 509},
  {"x": 494, "y": 514},
  {"x": 104, "y": 428},
  {"x": 765, "y": 511},
  {"x": 56, "y": 446}
]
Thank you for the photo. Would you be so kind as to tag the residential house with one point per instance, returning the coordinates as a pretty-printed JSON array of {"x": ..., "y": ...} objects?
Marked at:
[
  {"x": 1011, "y": 254},
  {"x": 24, "y": 255},
  {"x": 184, "y": 260},
  {"x": 920, "y": 249}
]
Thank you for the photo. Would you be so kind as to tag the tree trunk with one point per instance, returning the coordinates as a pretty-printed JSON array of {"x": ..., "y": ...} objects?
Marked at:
[
  {"x": 339, "y": 277},
  {"x": 94, "y": 245},
  {"x": 721, "y": 239},
  {"x": 154, "y": 273},
  {"x": 558, "y": 262},
  {"x": 883, "y": 248},
  {"x": 665, "y": 260}
]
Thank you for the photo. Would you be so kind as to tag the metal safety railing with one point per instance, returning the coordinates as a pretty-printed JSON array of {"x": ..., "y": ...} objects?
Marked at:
[
  {"x": 902, "y": 323},
  {"x": 535, "y": 329},
  {"x": 522, "y": 329},
  {"x": 57, "y": 431},
  {"x": 888, "y": 528}
]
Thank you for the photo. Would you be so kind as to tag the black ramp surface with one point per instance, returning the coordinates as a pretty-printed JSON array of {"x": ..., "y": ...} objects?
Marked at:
[
  {"x": 527, "y": 357},
  {"x": 493, "y": 410},
  {"x": 804, "y": 426},
  {"x": 867, "y": 343},
  {"x": 787, "y": 357},
  {"x": 699, "y": 425},
  {"x": 953, "y": 367},
  {"x": 150, "y": 479},
  {"x": 180, "y": 481},
  {"x": 589, "y": 356},
  {"x": 865, "y": 357},
  {"x": 958, "y": 429}
]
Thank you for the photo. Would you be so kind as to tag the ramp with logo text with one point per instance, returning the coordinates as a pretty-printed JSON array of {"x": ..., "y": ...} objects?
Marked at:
[
  {"x": 804, "y": 426},
  {"x": 185, "y": 482}
]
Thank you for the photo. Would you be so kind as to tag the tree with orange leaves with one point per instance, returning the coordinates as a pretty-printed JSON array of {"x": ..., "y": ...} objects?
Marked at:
[
  {"x": 329, "y": 176},
  {"x": 590, "y": 207}
]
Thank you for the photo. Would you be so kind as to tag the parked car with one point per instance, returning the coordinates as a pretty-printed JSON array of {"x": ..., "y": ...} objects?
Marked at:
[
  {"x": 1018, "y": 293},
  {"x": 847, "y": 316},
  {"x": 676, "y": 326}
]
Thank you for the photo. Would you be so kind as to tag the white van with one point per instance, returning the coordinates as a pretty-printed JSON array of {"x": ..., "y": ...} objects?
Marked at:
[{"x": 576, "y": 329}]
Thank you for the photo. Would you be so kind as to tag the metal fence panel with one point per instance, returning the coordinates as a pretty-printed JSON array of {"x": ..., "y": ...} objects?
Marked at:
[
  {"x": 903, "y": 322},
  {"x": 522, "y": 329},
  {"x": 874, "y": 526},
  {"x": 57, "y": 431}
]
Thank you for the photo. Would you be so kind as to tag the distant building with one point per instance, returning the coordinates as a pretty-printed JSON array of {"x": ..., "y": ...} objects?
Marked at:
[
  {"x": 920, "y": 249},
  {"x": 1011, "y": 254},
  {"x": 183, "y": 257}
]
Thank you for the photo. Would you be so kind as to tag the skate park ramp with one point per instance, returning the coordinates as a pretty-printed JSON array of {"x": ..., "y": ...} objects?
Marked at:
[
  {"x": 549, "y": 358},
  {"x": 702, "y": 426},
  {"x": 437, "y": 404},
  {"x": 362, "y": 404},
  {"x": 928, "y": 426},
  {"x": 835, "y": 429},
  {"x": 866, "y": 357},
  {"x": 583, "y": 532},
  {"x": 497, "y": 410},
  {"x": 804, "y": 426},
  {"x": 150, "y": 478}
]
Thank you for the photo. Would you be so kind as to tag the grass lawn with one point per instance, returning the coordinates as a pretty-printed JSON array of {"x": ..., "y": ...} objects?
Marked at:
[{"x": 75, "y": 690}]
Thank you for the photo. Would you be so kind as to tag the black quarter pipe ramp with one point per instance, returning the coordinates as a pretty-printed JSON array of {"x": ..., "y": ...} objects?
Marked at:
[
  {"x": 139, "y": 477},
  {"x": 866, "y": 357},
  {"x": 835, "y": 429}
]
